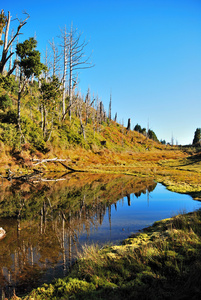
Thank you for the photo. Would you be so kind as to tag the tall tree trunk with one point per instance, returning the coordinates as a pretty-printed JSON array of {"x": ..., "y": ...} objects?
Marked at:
[
  {"x": 11, "y": 48},
  {"x": 5, "y": 46},
  {"x": 44, "y": 120},
  {"x": 110, "y": 108},
  {"x": 19, "y": 99},
  {"x": 70, "y": 75},
  {"x": 65, "y": 53}
]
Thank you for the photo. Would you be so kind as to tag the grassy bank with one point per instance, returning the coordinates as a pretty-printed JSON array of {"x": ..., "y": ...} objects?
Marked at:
[{"x": 162, "y": 262}]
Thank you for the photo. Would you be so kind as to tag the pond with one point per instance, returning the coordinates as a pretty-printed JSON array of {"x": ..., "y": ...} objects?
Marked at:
[{"x": 49, "y": 220}]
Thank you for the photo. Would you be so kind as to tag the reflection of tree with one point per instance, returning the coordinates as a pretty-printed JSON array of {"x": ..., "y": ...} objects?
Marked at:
[
  {"x": 50, "y": 220},
  {"x": 129, "y": 199}
]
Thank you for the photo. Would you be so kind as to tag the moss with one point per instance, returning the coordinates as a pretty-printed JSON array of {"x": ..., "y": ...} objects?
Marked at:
[{"x": 155, "y": 263}]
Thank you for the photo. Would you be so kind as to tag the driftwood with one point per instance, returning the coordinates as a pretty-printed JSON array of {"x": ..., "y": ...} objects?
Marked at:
[
  {"x": 48, "y": 180},
  {"x": 40, "y": 161},
  {"x": 55, "y": 160},
  {"x": 35, "y": 176}
]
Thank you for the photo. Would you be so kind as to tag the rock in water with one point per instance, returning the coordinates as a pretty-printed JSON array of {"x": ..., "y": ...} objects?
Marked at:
[{"x": 2, "y": 233}]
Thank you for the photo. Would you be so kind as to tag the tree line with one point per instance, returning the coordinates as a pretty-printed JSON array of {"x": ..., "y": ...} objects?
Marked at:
[{"x": 56, "y": 78}]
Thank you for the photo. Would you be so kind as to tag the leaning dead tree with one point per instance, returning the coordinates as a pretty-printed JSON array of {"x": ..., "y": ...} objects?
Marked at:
[{"x": 7, "y": 43}]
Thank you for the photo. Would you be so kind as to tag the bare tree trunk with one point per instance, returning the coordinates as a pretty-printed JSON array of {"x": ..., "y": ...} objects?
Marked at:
[
  {"x": 65, "y": 62},
  {"x": 41, "y": 109},
  {"x": 87, "y": 103},
  {"x": 70, "y": 73},
  {"x": 51, "y": 129},
  {"x": 44, "y": 121},
  {"x": 56, "y": 58},
  {"x": 110, "y": 108},
  {"x": 7, "y": 44},
  {"x": 97, "y": 113},
  {"x": 76, "y": 62},
  {"x": 22, "y": 85},
  {"x": 17, "y": 66},
  {"x": 46, "y": 63},
  {"x": 19, "y": 105},
  {"x": 19, "y": 99},
  {"x": 79, "y": 107},
  {"x": 11, "y": 48}
]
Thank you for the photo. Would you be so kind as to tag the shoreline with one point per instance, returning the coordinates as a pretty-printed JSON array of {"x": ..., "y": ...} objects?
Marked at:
[{"x": 162, "y": 255}]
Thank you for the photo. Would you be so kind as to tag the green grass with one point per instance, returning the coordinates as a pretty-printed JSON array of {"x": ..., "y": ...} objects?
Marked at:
[{"x": 162, "y": 262}]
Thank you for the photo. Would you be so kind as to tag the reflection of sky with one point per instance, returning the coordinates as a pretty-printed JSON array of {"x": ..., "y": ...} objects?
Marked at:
[{"x": 142, "y": 212}]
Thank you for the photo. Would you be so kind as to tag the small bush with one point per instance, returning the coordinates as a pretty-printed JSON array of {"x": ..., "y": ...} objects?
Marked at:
[
  {"x": 8, "y": 83},
  {"x": 5, "y": 102},
  {"x": 9, "y": 135},
  {"x": 10, "y": 117}
]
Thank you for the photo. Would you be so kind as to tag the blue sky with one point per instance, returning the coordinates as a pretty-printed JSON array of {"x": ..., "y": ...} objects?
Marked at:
[{"x": 147, "y": 53}]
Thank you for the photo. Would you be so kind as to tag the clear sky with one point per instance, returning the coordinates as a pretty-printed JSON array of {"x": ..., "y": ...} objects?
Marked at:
[{"x": 147, "y": 53}]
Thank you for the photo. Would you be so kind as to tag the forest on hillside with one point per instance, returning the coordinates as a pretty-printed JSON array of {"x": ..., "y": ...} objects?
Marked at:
[{"x": 41, "y": 106}]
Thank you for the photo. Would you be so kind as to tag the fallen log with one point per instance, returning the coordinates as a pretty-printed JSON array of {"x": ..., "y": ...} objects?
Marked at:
[
  {"x": 70, "y": 169},
  {"x": 55, "y": 160},
  {"x": 48, "y": 180},
  {"x": 40, "y": 161}
]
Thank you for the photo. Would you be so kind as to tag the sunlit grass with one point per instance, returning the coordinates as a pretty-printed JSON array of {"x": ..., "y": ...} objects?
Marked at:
[{"x": 163, "y": 262}]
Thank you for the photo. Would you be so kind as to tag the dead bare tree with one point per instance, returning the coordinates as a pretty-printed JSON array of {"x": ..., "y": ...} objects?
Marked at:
[
  {"x": 88, "y": 105},
  {"x": 76, "y": 61},
  {"x": 79, "y": 110},
  {"x": 17, "y": 70},
  {"x": 56, "y": 58},
  {"x": 110, "y": 108},
  {"x": 97, "y": 113},
  {"x": 11, "y": 50},
  {"x": 7, "y": 43},
  {"x": 65, "y": 46}
]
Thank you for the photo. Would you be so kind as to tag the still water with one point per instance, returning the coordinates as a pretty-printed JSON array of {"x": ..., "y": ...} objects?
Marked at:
[{"x": 48, "y": 221}]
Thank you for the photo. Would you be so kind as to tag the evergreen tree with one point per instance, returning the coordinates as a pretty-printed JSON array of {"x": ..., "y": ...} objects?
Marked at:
[
  {"x": 137, "y": 128},
  {"x": 152, "y": 135},
  {"x": 50, "y": 93},
  {"x": 197, "y": 136},
  {"x": 29, "y": 63}
]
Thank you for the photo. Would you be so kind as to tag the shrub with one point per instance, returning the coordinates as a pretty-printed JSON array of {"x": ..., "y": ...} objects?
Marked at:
[
  {"x": 10, "y": 117},
  {"x": 5, "y": 102},
  {"x": 8, "y": 83},
  {"x": 33, "y": 134},
  {"x": 9, "y": 134}
]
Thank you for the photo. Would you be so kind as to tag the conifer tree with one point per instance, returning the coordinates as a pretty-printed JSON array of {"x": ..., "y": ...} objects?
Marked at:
[
  {"x": 197, "y": 136},
  {"x": 30, "y": 64}
]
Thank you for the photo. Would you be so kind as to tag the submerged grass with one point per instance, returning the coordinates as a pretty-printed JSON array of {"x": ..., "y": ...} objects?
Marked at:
[{"x": 162, "y": 262}]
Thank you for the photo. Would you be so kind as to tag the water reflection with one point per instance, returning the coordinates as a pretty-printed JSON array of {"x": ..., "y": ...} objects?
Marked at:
[{"x": 47, "y": 223}]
